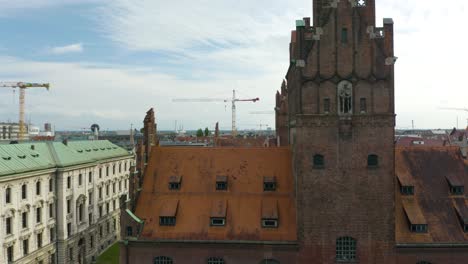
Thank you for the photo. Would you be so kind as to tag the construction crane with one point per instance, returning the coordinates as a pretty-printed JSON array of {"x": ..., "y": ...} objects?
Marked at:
[
  {"x": 233, "y": 102},
  {"x": 22, "y": 94}
]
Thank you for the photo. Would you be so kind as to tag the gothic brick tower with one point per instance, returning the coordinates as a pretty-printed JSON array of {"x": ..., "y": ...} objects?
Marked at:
[{"x": 341, "y": 128}]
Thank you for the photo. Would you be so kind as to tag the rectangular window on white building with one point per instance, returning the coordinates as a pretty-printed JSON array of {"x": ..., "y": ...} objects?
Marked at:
[
  {"x": 68, "y": 182},
  {"x": 8, "y": 225},
  {"x": 38, "y": 188},
  {"x": 51, "y": 185},
  {"x": 24, "y": 219},
  {"x": 25, "y": 247},
  {"x": 38, "y": 215}
]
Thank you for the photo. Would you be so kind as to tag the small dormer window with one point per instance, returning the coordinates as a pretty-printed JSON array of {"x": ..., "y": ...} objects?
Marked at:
[
  {"x": 457, "y": 190},
  {"x": 269, "y": 223},
  {"x": 218, "y": 221},
  {"x": 418, "y": 228},
  {"x": 407, "y": 190},
  {"x": 269, "y": 184},
  {"x": 168, "y": 213},
  {"x": 175, "y": 182},
  {"x": 167, "y": 221},
  {"x": 221, "y": 183}
]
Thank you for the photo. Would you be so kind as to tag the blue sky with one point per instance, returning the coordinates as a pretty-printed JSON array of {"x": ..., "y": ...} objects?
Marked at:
[{"x": 109, "y": 61}]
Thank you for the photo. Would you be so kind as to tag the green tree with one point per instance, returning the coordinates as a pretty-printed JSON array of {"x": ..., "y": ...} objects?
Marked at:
[
  {"x": 207, "y": 132},
  {"x": 199, "y": 132}
]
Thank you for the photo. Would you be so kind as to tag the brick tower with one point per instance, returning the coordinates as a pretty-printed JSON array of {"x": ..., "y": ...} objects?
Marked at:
[{"x": 341, "y": 128}]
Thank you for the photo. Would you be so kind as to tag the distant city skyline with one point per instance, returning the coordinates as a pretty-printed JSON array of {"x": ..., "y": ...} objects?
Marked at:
[{"x": 108, "y": 62}]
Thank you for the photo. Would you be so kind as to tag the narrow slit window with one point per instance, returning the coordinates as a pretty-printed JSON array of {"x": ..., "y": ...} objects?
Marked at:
[
  {"x": 326, "y": 105},
  {"x": 344, "y": 35},
  {"x": 363, "y": 105}
]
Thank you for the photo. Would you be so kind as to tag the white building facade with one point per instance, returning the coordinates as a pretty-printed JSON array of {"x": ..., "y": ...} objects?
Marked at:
[{"x": 60, "y": 202}]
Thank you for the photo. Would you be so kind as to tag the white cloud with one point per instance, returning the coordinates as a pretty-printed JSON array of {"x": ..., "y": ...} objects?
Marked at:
[
  {"x": 17, "y": 7},
  {"x": 72, "y": 48},
  {"x": 115, "y": 97}
]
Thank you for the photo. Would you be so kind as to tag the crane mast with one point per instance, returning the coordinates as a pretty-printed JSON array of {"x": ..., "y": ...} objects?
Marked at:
[
  {"x": 22, "y": 97},
  {"x": 233, "y": 102}
]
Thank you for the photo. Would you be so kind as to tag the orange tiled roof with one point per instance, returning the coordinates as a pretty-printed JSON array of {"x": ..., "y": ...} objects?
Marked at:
[
  {"x": 244, "y": 203},
  {"x": 429, "y": 170}
]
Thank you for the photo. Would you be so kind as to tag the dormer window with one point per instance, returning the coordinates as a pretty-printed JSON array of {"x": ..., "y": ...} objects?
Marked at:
[
  {"x": 221, "y": 183},
  {"x": 269, "y": 184},
  {"x": 416, "y": 221},
  {"x": 456, "y": 184},
  {"x": 175, "y": 182},
  {"x": 168, "y": 212},
  {"x": 218, "y": 213},
  {"x": 462, "y": 213},
  {"x": 269, "y": 214},
  {"x": 457, "y": 190},
  {"x": 407, "y": 190}
]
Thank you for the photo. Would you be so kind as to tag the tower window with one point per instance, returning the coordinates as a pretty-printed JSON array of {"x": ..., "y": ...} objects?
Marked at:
[
  {"x": 372, "y": 160},
  {"x": 319, "y": 161},
  {"x": 345, "y": 96},
  {"x": 344, "y": 35},
  {"x": 346, "y": 249},
  {"x": 326, "y": 105},
  {"x": 363, "y": 105}
]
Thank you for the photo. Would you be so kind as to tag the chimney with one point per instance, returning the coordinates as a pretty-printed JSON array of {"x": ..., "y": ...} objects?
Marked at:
[
  {"x": 33, "y": 147},
  {"x": 65, "y": 142}
]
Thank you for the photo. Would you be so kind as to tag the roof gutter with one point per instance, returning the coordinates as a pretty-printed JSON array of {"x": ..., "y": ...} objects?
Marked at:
[
  {"x": 225, "y": 242},
  {"x": 433, "y": 245}
]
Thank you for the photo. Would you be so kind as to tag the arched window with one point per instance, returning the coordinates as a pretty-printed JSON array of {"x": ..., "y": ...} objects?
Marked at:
[
  {"x": 162, "y": 260},
  {"x": 319, "y": 161},
  {"x": 346, "y": 249},
  {"x": 215, "y": 260},
  {"x": 269, "y": 261},
  {"x": 345, "y": 98},
  {"x": 372, "y": 160}
]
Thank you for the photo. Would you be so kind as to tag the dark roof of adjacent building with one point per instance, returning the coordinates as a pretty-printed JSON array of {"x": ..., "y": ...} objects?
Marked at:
[
  {"x": 244, "y": 204},
  {"x": 431, "y": 171}
]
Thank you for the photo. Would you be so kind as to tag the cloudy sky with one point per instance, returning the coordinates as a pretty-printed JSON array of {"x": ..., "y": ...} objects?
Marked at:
[{"x": 108, "y": 61}]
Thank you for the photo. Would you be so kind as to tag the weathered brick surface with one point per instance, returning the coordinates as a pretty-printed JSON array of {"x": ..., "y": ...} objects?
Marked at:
[{"x": 345, "y": 198}]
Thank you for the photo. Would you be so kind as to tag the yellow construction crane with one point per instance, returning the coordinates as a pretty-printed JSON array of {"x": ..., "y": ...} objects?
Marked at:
[{"x": 22, "y": 94}]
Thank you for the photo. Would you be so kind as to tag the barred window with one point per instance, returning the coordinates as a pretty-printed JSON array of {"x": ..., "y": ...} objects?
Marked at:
[
  {"x": 215, "y": 260},
  {"x": 345, "y": 249},
  {"x": 162, "y": 260}
]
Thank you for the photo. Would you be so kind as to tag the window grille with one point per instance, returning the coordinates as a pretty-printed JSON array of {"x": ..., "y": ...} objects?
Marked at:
[
  {"x": 162, "y": 260},
  {"x": 215, "y": 260},
  {"x": 345, "y": 249}
]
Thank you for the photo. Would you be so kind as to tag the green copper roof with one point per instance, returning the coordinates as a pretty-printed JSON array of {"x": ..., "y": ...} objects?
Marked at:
[
  {"x": 136, "y": 218},
  {"x": 25, "y": 157}
]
